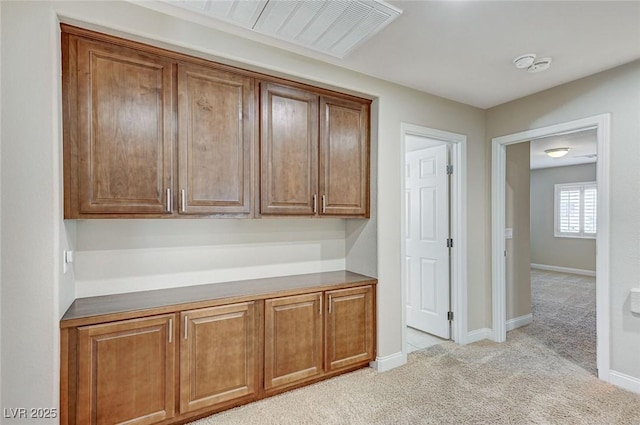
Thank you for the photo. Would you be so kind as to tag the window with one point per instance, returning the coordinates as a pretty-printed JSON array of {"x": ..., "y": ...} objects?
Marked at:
[{"x": 576, "y": 210}]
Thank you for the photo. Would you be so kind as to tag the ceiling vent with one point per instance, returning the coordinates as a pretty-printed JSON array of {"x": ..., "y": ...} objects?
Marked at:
[{"x": 333, "y": 27}]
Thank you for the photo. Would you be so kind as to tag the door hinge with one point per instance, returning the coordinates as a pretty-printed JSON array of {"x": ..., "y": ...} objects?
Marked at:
[
  {"x": 450, "y": 315},
  {"x": 449, "y": 243},
  {"x": 449, "y": 169}
]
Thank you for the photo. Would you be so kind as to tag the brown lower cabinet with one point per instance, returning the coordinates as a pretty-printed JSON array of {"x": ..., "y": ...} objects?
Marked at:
[
  {"x": 293, "y": 340},
  {"x": 219, "y": 355},
  {"x": 126, "y": 372},
  {"x": 350, "y": 328},
  {"x": 207, "y": 355}
]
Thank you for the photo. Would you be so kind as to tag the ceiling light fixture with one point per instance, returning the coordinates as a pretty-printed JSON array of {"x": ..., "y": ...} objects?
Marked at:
[
  {"x": 528, "y": 61},
  {"x": 557, "y": 152}
]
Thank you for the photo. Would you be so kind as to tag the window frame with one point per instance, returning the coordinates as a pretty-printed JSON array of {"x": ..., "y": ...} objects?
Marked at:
[{"x": 581, "y": 186}]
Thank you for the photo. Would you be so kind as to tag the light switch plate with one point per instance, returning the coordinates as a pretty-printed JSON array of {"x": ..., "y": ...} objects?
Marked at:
[
  {"x": 635, "y": 300},
  {"x": 508, "y": 233},
  {"x": 67, "y": 258}
]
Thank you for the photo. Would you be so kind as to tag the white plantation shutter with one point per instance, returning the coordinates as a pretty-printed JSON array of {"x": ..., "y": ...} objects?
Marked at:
[
  {"x": 576, "y": 210},
  {"x": 590, "y": 209},
  {"x": 569, "y": 210}
]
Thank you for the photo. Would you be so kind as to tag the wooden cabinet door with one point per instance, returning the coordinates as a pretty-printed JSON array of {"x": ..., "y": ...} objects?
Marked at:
[
  {"x": 350, "y": 327},
  {"x": 289, "y": 150},
  {"x": 219, "y": 355},
  {"x": 126, "y": 372},
  {"x": 216, "y": 111},
  {"x": 344, "y": 157},
  {"x": 124, "y": 134},
  {"x": 293, "y": 340}
]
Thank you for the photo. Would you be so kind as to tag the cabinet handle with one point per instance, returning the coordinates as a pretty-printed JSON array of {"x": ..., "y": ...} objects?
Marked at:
[
  {"x": 186, "y": 326},
  {"x": 320, "y": 309},
  {"x": 183, "y": 200},
  {"x": 329, "y": 304},
  {"x": 170, "y": 331},
  {"x": 324, "y": 204},
  {"x": 315, "y": 203},
  {"x": 168, "y": 200}
]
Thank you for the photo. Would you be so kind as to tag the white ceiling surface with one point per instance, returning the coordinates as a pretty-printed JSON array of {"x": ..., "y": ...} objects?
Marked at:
[
  {"x": 582, "y": 145},
  {"x": 463, "y": 50}
]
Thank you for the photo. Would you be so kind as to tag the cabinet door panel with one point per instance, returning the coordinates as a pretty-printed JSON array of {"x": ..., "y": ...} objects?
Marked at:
[
  {"x": 126, "y": 372},
  {"x": 350, "y": 327},
  {"x": 219, "y": 355},
  {"x": 124, "y": 129},
  {"x": 293, "y": 340},
  {"x": 344, "y": 157},
  {"x": 289, "y": 145},
  {"x": 216, "y": 112}
]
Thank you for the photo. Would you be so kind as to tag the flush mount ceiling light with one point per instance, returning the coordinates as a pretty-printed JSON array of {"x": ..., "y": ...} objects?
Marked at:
[
  {"x": 557, "y": 152},
  {"x": 528, "y": 61}
]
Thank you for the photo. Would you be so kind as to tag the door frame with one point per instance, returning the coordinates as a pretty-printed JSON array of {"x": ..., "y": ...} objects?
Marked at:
[
  {"x": 498, "y": 186},
  {"x": 458, "y": 217}
]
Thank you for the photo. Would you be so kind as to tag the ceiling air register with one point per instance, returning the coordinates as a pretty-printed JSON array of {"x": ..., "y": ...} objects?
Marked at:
[{"x": 333, "y": 27}]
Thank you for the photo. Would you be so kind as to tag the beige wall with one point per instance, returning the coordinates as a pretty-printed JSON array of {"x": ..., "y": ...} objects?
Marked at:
[
  {"x": 117, "y": 256},
  {"x": 517, "y": 272},
  {"x": 34, "y": 291},
  {"x": 616, "y": 91},
  {"x": 546, "y": 249}
]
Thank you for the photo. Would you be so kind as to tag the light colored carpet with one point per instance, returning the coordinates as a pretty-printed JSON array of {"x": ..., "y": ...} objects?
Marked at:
[
  {"x": 533, "y": 378},
  {"x": 564, "y": 315},
  {"x": 519, "y": 382}
]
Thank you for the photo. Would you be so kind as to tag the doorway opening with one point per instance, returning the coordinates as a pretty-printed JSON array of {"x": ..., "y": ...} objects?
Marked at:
[
  {"x": 550, "y": 244},
  {"x": 500, "y": 233},
  {"x": 433, "y": 267}
]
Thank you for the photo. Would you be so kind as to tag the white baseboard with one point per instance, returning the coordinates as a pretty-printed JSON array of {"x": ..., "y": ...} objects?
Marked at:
[
  {"x": 385, "y": 363},
  {"x": 622, "y": 380},
  {"x": 519, "y": 321},
  {"x": 478, "y": 335},
  {"x": 563, "y": 269}
]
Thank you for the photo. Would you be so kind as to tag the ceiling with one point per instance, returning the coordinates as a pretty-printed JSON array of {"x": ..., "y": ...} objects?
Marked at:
[
  {"x": 582, "y": 145},
  {"x": 463, "y": 50}
]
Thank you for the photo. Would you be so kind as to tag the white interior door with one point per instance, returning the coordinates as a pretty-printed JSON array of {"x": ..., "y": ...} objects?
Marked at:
[{"x": 427, "y": 231}]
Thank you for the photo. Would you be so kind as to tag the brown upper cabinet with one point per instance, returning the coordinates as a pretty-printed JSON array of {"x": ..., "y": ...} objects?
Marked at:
[
  {"x": 118, "y": 123},
  {"x": 215, "y": 123},
  {"x": 344, "y": 157},
  {"x": 154, "y": 133},
  {"x": 314, "y": 153},
  {"x": 288, "y": 150}
]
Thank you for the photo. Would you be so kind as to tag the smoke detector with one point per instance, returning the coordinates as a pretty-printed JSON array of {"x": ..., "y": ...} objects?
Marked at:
[
  {"x": 540, "y": 65},
  {"x": 531, "y": 64},
  {"x": 524, "y": 61}
]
